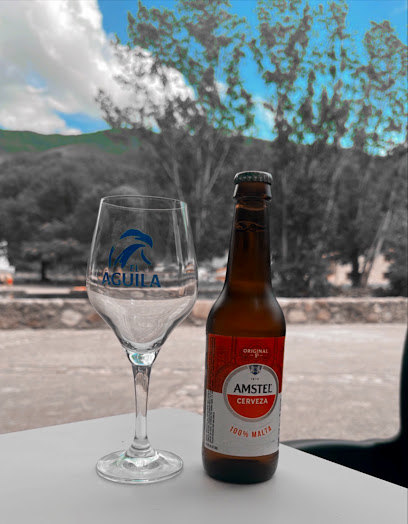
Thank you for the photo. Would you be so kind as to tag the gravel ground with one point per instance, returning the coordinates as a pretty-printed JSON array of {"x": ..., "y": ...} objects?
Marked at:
[{"x": 340, "y": 381}]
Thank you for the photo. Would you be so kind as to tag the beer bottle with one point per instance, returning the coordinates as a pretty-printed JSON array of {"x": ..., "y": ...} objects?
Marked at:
[{"x": 245, "y": 344}]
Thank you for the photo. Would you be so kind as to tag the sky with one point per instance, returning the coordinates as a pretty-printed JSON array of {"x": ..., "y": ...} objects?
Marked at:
[{"x": 55, "y": 55}]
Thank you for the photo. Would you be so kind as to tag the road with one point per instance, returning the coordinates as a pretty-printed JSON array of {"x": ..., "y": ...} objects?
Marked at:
[{"x": 340, "y": 381}]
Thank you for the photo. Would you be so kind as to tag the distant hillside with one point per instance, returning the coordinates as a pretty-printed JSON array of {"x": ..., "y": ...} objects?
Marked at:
[{"x": 26, "y": 141}]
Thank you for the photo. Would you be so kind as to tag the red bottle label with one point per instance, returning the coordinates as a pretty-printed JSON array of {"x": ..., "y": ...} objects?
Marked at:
[{"x": 243, "y": 395}]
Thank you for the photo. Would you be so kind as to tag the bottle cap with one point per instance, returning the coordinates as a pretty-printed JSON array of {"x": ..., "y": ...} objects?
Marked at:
[{"x": 253, "y": 176}]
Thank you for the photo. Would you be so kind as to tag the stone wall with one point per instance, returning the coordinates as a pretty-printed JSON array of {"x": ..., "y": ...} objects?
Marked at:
[{"x": 78, "y": 313}]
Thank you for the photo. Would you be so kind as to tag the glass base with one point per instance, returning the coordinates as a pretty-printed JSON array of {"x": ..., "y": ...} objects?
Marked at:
[{"x": 119, "y": 467}]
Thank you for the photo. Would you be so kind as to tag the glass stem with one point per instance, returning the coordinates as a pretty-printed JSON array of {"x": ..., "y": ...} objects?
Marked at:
[{"x": 140, "y": 447}]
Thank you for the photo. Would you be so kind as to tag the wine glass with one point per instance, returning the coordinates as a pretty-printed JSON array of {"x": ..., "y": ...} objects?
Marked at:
[{"x": 142, "y": 280}]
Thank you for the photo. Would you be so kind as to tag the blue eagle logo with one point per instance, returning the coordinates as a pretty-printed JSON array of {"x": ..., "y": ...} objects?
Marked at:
[
  {"x": 255, "y": 369},
  {"x": 142, "y": 240}
]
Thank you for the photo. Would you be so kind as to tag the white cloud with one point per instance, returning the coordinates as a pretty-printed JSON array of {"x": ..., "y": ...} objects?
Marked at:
[
  {"x": 264, "y": 118},
  {"x": 222, "y": 88},
  {"x": 147, "y": 92},
  {"x": 54, "y": 56},
  {"x": 26, "y": 108}
]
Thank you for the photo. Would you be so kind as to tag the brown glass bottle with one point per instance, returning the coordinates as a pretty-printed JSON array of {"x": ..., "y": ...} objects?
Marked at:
[{"x": 244, "y": 329}]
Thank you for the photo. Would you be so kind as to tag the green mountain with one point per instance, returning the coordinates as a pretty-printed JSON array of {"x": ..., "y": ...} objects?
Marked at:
[{"x": 27, "y": 141}]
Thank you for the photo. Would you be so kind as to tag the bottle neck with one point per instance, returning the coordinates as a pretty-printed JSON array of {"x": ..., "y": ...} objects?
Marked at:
[{"x": 249, "y": 263}]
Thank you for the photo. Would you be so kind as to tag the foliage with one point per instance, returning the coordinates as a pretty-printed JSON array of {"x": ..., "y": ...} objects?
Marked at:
[
  {"x": 326, "y": 96},
  {"x": 337, "y": 114},
  {"x": 60, "y": 234},
  {"x": 198, "y": 45},
  {"x": 50, "y": 250},
  {"x": 396, "y": 240},
  {"x": 49, "y": 202},
  {"x": 397, "y": 273},
  {"x": 321, "y": 88}
]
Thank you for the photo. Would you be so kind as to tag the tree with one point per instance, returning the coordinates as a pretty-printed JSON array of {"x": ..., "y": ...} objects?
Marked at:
[
  {"x": 51, "y": 246},
  {"x": 197, "y": 125},
  {"x": 49, "y": 203},
  {"x": 379, "y": 113},
  {"x": 324, "y": 95},
  {"x": 395, "y": 242},
  {"x": 303, "y": 78}
]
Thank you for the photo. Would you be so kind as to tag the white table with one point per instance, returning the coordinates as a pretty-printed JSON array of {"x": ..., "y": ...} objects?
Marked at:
[{"x": 48, "y": 475}]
